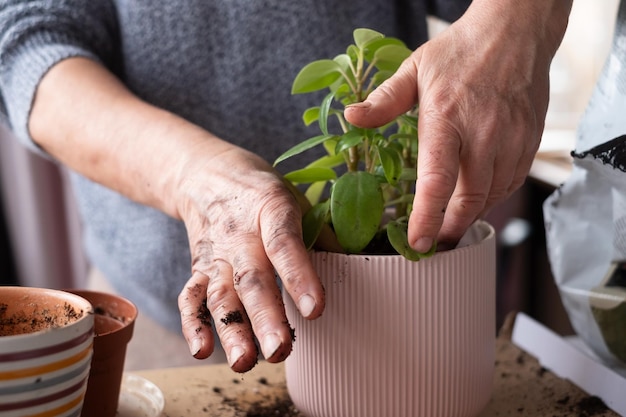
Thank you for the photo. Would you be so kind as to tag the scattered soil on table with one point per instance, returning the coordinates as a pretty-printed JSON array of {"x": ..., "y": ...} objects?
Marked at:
[
  {"x": 36, "y": 320},
  {"x": 260, "y": 402},
  {"x": 590, "y": 406}
]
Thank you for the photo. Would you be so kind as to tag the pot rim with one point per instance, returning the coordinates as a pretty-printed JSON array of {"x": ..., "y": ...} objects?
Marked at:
[
  {"x": 62, "y": 296},
  {"x": 482, "y": 227}
]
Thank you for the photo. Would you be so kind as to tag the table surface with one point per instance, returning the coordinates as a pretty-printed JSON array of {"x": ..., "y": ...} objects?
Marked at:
[{"x": 521, "y": 388}]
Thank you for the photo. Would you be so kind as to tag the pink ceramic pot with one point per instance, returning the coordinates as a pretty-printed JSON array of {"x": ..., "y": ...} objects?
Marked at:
[
  {"x": 46, "y": 340},
  {"x": 399, "y": 338}
]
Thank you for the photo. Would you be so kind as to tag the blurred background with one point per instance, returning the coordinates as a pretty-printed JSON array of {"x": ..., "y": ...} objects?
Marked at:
[{"x": 40, "y": 231}]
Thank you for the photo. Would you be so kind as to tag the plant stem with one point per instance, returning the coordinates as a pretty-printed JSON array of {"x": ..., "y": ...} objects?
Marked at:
[{"x": 353, "y": 159}]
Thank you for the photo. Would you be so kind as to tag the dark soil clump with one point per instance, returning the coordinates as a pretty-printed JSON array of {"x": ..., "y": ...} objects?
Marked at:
[
  {"x": 232, "y": 317},
  {"x": 590, "y": 406},
  {"x": 204, "y": 314},
  {"x": 278, "y": 409}
]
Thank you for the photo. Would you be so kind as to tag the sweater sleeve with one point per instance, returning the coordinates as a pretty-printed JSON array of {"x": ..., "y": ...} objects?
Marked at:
[
  {"x": 448, "y": 10},
  {"x": 35, "y": 35}
]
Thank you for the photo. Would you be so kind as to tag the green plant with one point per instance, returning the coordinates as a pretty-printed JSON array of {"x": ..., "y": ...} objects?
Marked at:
[{"x": 371, "y": 172}]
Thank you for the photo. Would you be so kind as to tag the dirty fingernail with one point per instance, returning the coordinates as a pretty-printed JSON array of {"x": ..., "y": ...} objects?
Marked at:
[
  {"x": 271, "y": 343},
  {"x": 423, "y": 244},
  {"x": 235, "y": 354},
  {"x": 195, "y": 346},
  {"x": 306, "y": 305}
]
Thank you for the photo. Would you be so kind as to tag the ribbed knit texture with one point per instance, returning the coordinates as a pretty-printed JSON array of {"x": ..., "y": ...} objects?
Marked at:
[{"x": 225, "y": 65}]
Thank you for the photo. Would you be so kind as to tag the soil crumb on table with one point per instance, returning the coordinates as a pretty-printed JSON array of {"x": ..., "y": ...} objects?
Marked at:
[{"x": 268, "y": 400}]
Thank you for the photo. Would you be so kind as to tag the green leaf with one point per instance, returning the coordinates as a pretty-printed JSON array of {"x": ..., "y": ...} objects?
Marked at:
[
  {"x": 391, "y": 162},
  {"x": 303, "y": 146},
  {"x": 356, "y": 206},
  {"x": 348, "y": 140},
  {"x": 315, "y": 191},
  {"x": 397, "y": 235},
  {"x": 327, "y": 161},
  {"x": 362, "y": 36},
  {"x": 310, "y": 115},
  {"x": 313, "y": 222},
  {"x": 389, "y": 57},
  {"x": 353, "y": 52},
  {"x": 344, "y": 62},
  {"x": 381, "y": 76},
  {"x": 374, "y": 45},
  {"x": 316, "y": 76},
  {"x": 324, "y": 109},
  {"x": 330, "y": 145},
  {"x": 308, "y": 175},
  {"x": 408, "y": 174}
]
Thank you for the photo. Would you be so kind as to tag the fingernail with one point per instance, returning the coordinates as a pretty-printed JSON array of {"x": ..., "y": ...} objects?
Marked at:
[
  {"x": 195, "y": 346},
  {"x": 423, "y": 244},
  {"x": 271, "y": 343},
  {"x": 360, "y": 105},
  {"x": 306, "y": 305},
  {"x": 236, "y": 353}
]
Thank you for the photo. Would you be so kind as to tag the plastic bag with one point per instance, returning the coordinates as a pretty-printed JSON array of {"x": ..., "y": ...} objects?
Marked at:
[{"x": 586, "y": 217}]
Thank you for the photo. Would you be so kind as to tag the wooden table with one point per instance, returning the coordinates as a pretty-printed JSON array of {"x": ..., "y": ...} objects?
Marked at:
[{"x": 521, "y": 388}]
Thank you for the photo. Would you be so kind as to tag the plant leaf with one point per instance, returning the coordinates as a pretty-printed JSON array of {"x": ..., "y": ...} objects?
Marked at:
[
  {"x": 344, "y": 62},
  {"x": 324, "y": 109},
  {"x": 391, "y": 162},
  {"x": 316, "y": 76},
  {"x": 348, "y": 140},
  {"x": 303, "y": 146},
  {"x": 381, "y": 76},
  {"x": 313, "y": 221},
  {"x": 374, "y": 45},
  {"x": 389, "y": 57},
  {"x": 310, "y": 115},
  {"x": 309, "y": 175},
  {"x": 353, "y": 52},
  {"x": 356, "y": 207},
  {"x": 397, "y": 235},
  {"x": 408, "y": 174},
  {"x": 327, "y": 161},
  {"x": 315, "y": 191},
  {"x": 362, "y": 36}
]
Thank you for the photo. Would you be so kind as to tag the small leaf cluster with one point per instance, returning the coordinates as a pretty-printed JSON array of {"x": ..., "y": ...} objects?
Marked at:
[{"x": 363, "y": 185}]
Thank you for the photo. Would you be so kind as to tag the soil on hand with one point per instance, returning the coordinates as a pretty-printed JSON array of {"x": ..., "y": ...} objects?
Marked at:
[{"x": 234, "y": 316}]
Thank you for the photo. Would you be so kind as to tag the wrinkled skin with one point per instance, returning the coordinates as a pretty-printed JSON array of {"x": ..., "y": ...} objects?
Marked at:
[
  {"x": 482, "y": 88},
  {"x": 236, "y": 240}
]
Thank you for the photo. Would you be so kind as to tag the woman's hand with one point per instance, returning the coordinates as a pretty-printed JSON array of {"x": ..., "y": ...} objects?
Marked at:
[
  {"x": 482, "y": 88},
  {"x": 243, "y": 224}
]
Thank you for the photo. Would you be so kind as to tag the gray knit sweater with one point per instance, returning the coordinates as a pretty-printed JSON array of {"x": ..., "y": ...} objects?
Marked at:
[{"x": 224, "y": 65}]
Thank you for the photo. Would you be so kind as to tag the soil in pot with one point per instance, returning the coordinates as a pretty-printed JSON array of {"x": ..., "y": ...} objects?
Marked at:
[{"x": 30, "y": 318}]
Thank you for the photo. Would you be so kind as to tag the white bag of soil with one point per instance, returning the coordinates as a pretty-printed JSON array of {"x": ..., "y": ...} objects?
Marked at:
[{"x": 586, "y": 217}]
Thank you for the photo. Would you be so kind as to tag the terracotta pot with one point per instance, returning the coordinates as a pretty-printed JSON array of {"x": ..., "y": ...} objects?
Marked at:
[
  {"x": 114, "y": 323},
  {"x": 399, "y": 338},
  {"x": 46, "y": 339}
]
